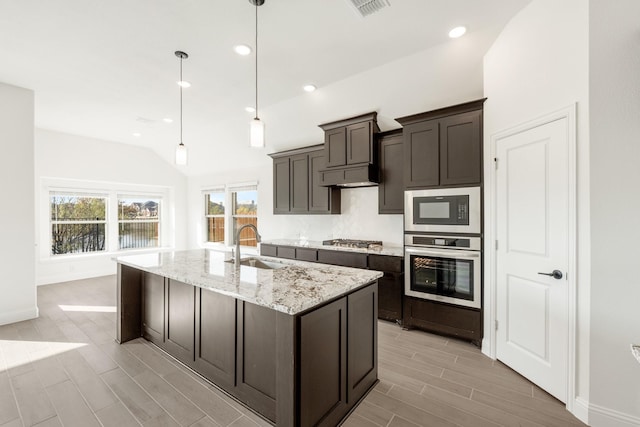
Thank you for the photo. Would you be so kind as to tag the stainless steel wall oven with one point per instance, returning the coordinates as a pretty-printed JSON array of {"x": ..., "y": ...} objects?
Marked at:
[{"x": 443, "y": 268}]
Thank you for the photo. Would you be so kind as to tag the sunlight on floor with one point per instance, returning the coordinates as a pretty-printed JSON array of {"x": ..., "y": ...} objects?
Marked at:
[
  {"x": 15, "y": 351},
  {"x": 94, "y": 308}
]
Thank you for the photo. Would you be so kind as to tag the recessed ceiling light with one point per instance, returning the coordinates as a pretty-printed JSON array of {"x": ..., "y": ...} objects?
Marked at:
[
  {"x": 137, "y": 134},
  {"x": 457, "y": 32},
  {"x": 309, "y": 88},
  {"x": 242, "y": 49},
  {"x": 184, "y": 83},
  {"x": 250, "y": 109},
  {"x": 167, "y": 120}
]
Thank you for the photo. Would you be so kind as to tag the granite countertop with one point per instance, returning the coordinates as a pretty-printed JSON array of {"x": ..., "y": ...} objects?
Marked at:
[
  {"x": 292, "y": 289},
  {"x": 389, "y": 250}
]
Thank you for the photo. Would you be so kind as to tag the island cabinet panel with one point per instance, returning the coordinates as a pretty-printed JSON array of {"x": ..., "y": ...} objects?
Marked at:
[
  {"x": 153, "y": 306},
  {"x": 362, "y": 342},
  {"x": 323, "y": 350},
  {"x": 216, "y": 328},
  {"x": 256, "y": 358},
  {"x": 180, "y": 320},
  {"x": 129, "y": 303}
]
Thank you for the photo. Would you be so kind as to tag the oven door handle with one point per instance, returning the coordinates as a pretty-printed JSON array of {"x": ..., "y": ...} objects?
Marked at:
[{"x": 448, "y": 254}]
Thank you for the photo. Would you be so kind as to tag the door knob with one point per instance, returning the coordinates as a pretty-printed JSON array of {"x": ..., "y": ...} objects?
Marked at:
[{"x": 556, "y": 274}]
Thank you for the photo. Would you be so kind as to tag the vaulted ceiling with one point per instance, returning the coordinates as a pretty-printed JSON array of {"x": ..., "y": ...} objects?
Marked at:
[{"x": 107, "y": 70}]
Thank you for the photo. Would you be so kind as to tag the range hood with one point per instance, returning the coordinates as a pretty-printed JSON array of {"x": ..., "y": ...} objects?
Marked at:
[
  {"x": 351, "y": 152},
  {"x": 358, "y": 176}
]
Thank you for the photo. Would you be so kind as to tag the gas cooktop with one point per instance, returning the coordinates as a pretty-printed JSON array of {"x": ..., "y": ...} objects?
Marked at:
[{"x": 350, "y": 243}]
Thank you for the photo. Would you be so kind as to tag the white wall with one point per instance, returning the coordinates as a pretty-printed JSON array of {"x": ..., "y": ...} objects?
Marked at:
[
  {"x": 537, "y": 65},
  {"x": 71, "y": 160},
  {"x": 614, "y": 90},
  {"x": 17, "y": 252}
]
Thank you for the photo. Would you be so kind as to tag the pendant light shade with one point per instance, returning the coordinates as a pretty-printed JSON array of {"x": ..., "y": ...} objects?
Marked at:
[
  {"x": 257, "y": 133},
  {"x": 181, "y": 150},
  {"x": 181, "y": 155},
  {"x": 257, "y": 125}
]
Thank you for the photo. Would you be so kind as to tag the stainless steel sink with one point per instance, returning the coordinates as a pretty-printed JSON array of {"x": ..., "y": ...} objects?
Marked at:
[{"x": 258, "y": 263}]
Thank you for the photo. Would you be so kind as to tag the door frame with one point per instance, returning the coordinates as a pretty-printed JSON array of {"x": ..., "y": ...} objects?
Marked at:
[{"x": 489, "y": 342}]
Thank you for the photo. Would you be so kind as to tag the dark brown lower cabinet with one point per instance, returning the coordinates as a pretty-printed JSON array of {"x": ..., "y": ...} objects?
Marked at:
[
  {"x": 216, "y": 329},
  {"x": 180, "y": 320},
  {"x": 323, "y": 383},
  {"x": 460, "y": 322},
  {"x": 390, "y": 289},
  {"x": 308, "y": 369},
  {"x": 153, "y": 308}
]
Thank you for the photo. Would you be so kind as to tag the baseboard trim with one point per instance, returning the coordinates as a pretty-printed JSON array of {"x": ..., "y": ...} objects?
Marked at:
[
  {"x": 599, "y": 416},
  {"x": 581, "y": 410},
  {"x": 18, "y": 315}
]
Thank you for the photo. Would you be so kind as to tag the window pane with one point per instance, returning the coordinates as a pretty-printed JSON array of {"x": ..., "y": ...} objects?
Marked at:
[
  {"x": 215, "y": 229},
  {"x": 138, "y": 209},
  {"x": 77, "y": 208},
  {"x": 214, "y": 203},
  {"x": 248, "y": 235},
  {"x": 77, "y": 238},
  {"x": 138, "y": 235},
  {"x": 245, "y": 202}
]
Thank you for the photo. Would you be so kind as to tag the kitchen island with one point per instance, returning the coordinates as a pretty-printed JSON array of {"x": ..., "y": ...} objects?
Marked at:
[{"x": 294, "y": 341}]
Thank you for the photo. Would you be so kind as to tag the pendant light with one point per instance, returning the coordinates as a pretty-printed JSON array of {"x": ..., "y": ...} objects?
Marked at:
[
  {"x": 257, "y": 125},
  {"x": 181, "y": 150}
]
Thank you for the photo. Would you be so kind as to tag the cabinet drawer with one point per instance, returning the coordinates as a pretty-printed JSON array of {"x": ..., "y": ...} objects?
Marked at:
[
  {"x": 268, "y": 250},
  {"x": 447, "y": 319},
  {"x": 345, "y": 259},
  {"x": 305, "y": 254},
  {"x": 286, "y": 252},
  {"x": 388, "y": 263}
]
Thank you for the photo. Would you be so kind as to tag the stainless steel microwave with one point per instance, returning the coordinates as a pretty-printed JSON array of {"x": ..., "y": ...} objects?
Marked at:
[{"x": 443, "y": 210}]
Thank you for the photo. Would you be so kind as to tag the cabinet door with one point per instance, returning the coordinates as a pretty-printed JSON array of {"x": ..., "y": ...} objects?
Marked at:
[
  {"x": 153, "y": 308},
  {"x": 216, "y": 330},
  {"x": 180, "y": 320},
  {"x": 318, "y": 196},
  {"x": 390, "y": 291},
  {"x": 281, "y": 188},
  {"x": 391, "y": 188},
  {"x": 323, "y": 369},
  {"x": 362, "y": 356},
  {"x": 359, "y": 143},
  {"x": 299, "y": 184},
  {"x": 421, "y": 154},
  {"x": 335, "y": 147},
  {"x": 461, "y": 149}
]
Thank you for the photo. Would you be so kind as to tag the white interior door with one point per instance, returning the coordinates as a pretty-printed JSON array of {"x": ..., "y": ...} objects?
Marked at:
[{"x": 532, "y": 208}]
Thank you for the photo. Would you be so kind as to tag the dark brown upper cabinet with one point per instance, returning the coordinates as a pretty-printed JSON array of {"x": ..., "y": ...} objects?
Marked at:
[
  {"x": 350, "y": 141},
  {"x": 391, "y": 188},
  {"x": 443, "y": 147},
  {"x": 296, "y": 183}
]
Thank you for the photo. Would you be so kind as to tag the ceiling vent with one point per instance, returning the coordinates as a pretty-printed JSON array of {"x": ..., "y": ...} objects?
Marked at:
[{"x": 368, "y": 7}]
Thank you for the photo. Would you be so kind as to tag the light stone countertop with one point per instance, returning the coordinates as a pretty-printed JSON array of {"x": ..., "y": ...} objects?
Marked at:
[
  {"x": 389, "y": 250},
  {"x": 292, "y": 289}
]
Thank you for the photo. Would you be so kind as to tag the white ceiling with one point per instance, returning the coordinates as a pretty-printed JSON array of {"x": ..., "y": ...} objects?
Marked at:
[{"x": 107, "y": 69}]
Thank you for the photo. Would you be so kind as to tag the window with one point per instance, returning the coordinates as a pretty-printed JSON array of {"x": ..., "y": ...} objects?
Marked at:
[
  {"x": 222, "y": 224},
  {"x": 138, "y": 222},
  {"x": 78, "y": 223},
  {"x": 214, "y": 213},
  {"x": 245, "y": 211}
]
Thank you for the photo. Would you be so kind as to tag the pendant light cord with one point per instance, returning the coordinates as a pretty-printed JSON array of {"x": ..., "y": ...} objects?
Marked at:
[
  {"x": 256, "y": 59},
  {"x": 181, "y": 83}
]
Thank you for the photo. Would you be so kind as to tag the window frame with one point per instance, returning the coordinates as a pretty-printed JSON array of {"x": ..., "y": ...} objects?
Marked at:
[
  {"x": 229, "y": 213},
  {"x": 158, "y": 219},
  {"x": 220, "y": 190}
]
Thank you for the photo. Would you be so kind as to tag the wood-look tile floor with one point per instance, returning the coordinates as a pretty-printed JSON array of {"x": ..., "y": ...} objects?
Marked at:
[{"x": 64, "y": 369}]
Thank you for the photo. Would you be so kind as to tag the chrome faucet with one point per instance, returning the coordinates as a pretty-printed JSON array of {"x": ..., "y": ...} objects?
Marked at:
[{"x": 237, "y": 258}]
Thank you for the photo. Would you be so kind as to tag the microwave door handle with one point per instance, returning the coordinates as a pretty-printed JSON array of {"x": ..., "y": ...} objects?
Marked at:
[{"x": 449, "y": 254}]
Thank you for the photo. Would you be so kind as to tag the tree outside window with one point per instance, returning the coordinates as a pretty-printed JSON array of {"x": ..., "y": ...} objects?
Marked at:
[{"x": 78, "y": 223}]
